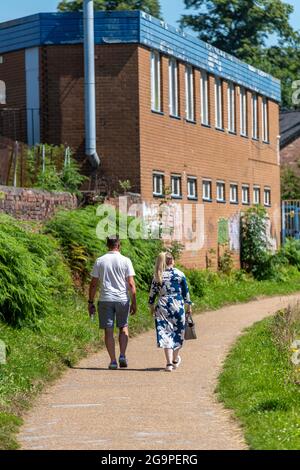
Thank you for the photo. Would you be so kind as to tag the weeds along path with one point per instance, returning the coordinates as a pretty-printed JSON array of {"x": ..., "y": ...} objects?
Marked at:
[{"x": 144, "y": 407}]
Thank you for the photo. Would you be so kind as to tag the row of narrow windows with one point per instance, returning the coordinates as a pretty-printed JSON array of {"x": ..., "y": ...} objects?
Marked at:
[
  {"x": 259, "y": 195},
  {"x": 156, "y": 100},
  {"x": 2, "y": 92}
]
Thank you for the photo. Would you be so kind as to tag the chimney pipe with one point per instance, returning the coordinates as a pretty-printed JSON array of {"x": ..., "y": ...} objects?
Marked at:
[{"x": 90, "y": 84}]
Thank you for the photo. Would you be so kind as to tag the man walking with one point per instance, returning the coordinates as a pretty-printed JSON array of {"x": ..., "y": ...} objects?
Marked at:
[{"x": 116, "y": 275}]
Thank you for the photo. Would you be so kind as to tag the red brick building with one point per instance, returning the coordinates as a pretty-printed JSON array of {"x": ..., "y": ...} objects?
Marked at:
[{"x": 172, "y": 112}]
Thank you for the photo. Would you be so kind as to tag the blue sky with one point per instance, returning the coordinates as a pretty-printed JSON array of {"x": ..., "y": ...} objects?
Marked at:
[{"x": 172, "y": 9}]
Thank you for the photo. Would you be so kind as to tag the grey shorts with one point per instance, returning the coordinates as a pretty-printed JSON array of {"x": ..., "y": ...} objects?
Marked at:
[{"x": 111, "y": 312}]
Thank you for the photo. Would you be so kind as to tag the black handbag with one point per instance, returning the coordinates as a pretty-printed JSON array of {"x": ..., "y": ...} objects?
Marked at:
[{"x": 190, "y": 329}]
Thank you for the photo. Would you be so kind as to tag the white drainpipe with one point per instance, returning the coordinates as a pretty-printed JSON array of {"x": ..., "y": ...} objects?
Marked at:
[{"x": 90, "y": 84}]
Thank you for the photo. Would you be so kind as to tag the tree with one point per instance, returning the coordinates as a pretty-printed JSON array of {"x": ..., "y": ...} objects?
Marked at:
[
  {"x": 242, "y": 28},
  {"x": 290, "y": 184},
  {"x": 149, "y": 6}
]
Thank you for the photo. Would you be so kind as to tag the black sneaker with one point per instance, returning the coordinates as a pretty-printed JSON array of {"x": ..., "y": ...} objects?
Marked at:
[{"x": 123, "y": 362}]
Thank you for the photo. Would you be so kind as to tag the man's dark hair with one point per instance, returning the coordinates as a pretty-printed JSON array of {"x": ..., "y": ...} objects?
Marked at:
[{"x": 113, "y": 242}]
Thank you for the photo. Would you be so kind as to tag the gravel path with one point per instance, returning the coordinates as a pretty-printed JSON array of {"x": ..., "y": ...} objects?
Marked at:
[{"x": 144, "y": 407}]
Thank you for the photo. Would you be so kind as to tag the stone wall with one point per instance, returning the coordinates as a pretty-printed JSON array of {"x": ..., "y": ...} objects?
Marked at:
[{"x": 33, "y": 204}]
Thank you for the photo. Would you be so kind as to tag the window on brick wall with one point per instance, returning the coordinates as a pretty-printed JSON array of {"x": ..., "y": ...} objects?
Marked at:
[
  {"x": 204, "y": 98},
  {"x": 192, "y": 187},
  {"x": 158, "y": 184},
  {"x": 254, "y": 116},
  {"x": 231, "y": 107},
  {"x": 267, "y": 197},
  {"x": 155, "y": 82},
  {"x": 219, "y": 103},
  {"x": 234, "y": 193},
  {"x": 265, "y": 120},
  {"x": 243, "y": 111},
  {"x": 256, "y": 195},
  {"x": 176, "y": 186},
  {"x": 173, "y": 88},
  {"x": 245, "y": 194},
  {"x": 206, "y": 190},
  {"x": 2, "y": 92},
  {"x": 189, "y": 93},
  {"x": 221, "y": 191}
]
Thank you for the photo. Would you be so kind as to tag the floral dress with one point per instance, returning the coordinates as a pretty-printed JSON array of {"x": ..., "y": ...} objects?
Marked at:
[{"x": 172, "y": 294}]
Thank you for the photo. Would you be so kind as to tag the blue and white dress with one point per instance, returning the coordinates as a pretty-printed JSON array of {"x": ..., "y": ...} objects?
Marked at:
[{"x": 172, "y": 294}]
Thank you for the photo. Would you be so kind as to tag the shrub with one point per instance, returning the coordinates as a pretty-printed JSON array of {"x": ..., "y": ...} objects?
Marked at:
[{"x": 32, "y": 274}]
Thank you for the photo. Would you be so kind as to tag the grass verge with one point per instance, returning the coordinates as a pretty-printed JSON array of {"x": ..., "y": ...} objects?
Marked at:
[{"x": 258, "y": 383}]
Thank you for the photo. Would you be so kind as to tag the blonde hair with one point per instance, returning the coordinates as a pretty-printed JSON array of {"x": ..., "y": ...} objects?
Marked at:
[{"x": 162, "y": 262}]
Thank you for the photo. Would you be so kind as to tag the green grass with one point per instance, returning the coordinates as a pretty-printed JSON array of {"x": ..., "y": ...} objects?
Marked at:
[{"x": 258, "y": 384}]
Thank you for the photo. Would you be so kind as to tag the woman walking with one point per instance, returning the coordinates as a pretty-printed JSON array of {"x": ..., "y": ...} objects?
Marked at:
[{"x": 170, "y": 286}]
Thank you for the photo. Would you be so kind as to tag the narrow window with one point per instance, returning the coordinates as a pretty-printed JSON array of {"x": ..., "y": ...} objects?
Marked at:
[
  {"x": 254, "y": 116},
  {"x": 231, "y": 107},
  {"x": 256, "y": 195},
  {"x": 219, "y": 103},
  {"x": 189, "y": 93},
  {"x": 155, "y": 82},
  {"x": 192, "y": 187},
  {"x": 265, "y": 120},
  {"x": 220, "y": 191},
  {"x": 204, "y": 99},
  {"x": 173, "y": 88},
  {"x": 176, "y": 186},
  {"x": 158, "y": 184},
  {"x": 267, "y": 197},
  {"x": 234, "y": 195},
  {"x": 243, "y": 111},
  {"x": 207, "y": 193},
  {"x": 245, "y": 195},
  {"x": 2, "y": 92}
]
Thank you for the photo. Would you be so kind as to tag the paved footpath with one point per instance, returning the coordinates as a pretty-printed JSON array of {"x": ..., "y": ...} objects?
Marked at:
[{"x": 144, "y": 407}]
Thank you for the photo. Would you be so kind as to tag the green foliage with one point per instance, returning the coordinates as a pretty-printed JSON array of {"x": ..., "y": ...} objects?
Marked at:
[
  {"x": 258, "y": 384},
  {"x": 32, "y": 274},
  {"x": 290, "y": 253},
  {"x": 197, "y": 281},
  {"x": 242, "y": 28},
  {"x": 290, "y": 184},
  {"x": 225, "y": 262},
  {"x": 149, "y": 6},
  {"x": 176, "y": 248},
  {"x": 255, "y": 254},
  {"x": 125, "y": 186},
  {"x": 55, "y": 174}
]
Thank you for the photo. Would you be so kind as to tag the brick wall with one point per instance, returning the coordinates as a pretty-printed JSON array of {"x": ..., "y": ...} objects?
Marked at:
[
  {"x": 290, "y": 155},
  {"x": 13, "y": 114},
  {"x": 62, "y": 92},
  {"x": 177, "y": 146},
  {"x": 33, "y": 204}
]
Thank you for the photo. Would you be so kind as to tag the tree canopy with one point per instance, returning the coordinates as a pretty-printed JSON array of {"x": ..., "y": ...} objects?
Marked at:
[
  {"x": 243, "y": 28},
  {"x": 149, "y": 6}
]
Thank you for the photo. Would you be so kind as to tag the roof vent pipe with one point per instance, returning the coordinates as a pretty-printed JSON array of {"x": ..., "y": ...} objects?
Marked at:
[{"x": 90, "y": 83}]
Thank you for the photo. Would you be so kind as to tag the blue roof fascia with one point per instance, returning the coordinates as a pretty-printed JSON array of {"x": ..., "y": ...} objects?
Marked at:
[{"x": 117, "y": 27}]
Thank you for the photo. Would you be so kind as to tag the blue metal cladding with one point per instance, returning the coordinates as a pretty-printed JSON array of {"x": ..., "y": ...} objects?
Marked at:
[{"x": 127, "y": 27}]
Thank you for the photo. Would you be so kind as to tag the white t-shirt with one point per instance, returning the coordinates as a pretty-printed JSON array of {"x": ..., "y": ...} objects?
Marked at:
[{"x": 113, "y": 270}]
